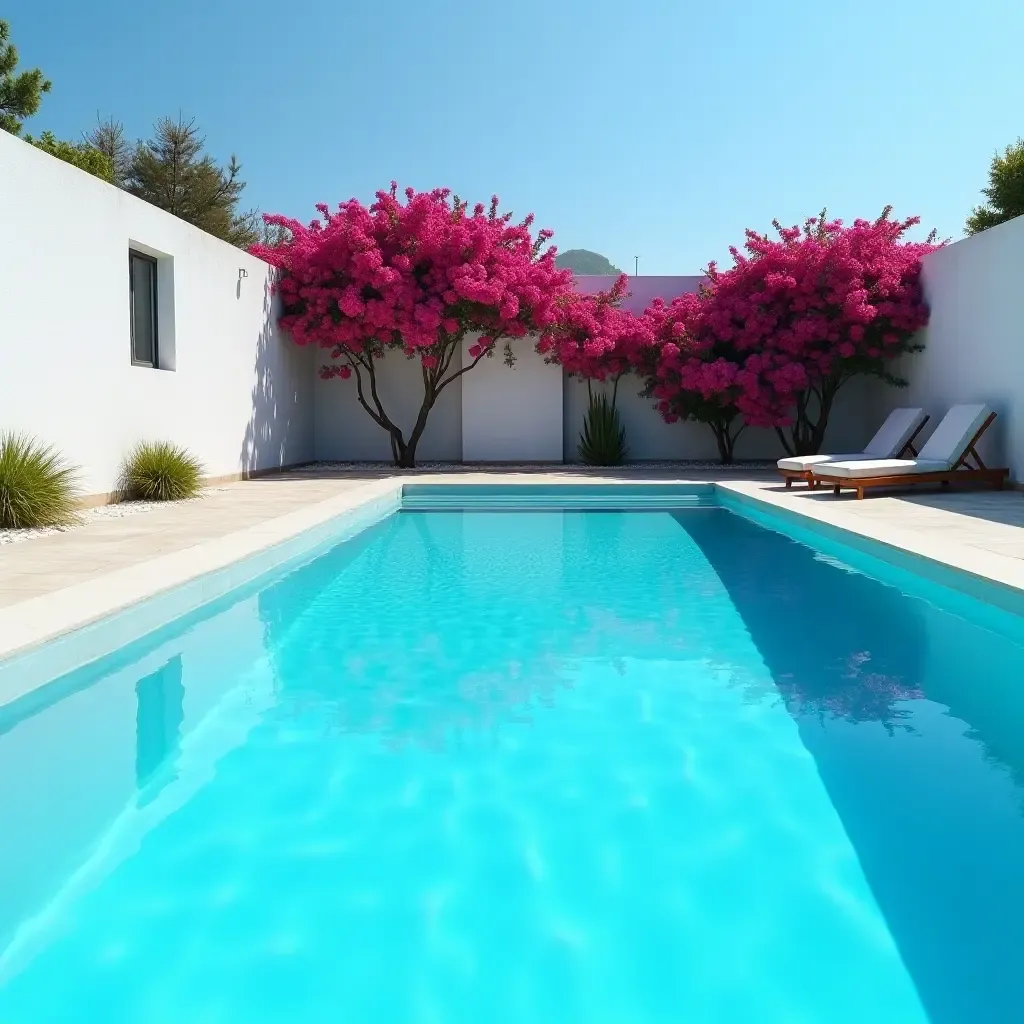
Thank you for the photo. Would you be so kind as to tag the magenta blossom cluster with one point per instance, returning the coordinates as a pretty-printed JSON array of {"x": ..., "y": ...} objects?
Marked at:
[
  {"x": 591, "y": 337},
  {"x": 415, "y": 274},
  {"x": 676, "y": 369},
  {"x": 818, "y": 303}
]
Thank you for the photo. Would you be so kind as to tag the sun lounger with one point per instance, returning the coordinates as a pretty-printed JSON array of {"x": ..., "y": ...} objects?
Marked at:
[
  {"x": 893, "y": 440},
  {"x": 949, "y": 456}
]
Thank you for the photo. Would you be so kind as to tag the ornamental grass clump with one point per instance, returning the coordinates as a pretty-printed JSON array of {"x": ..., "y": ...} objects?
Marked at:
[
  {"x": 603, "y": 439},
  {"x": 160, "y": 471},
  {"x": 593, "y": 339},
  {"x": 37, "y": 486}
]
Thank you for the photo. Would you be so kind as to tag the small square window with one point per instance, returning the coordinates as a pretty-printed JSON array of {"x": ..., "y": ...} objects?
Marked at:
[{"x": 142, "y": 293}]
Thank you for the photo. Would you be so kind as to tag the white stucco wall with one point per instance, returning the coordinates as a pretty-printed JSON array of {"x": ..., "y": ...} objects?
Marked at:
[
  {"x": 239, "y": 395},
  {"x": 512, "y": 414},
  {"x": 974, "y": 341},
  {"x": 344, "y": 432}
]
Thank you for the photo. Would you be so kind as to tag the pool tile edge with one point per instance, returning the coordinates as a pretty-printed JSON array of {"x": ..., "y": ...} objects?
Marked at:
[
  {"x": 974, "y": 571},
  {"x": 33, "y": 632},
  {"x": 157, "y": 590}
]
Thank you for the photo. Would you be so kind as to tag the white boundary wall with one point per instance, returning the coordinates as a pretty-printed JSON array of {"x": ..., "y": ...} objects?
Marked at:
[
  {"x": 344, "y": 432},
  {"x": 239, "y": 394},
  {"x": 974, "y": 341},
  {"x": 242, "y": 397},
  {"x": 512, "y": 414}
]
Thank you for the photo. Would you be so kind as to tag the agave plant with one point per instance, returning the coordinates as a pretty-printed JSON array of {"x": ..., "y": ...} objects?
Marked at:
[
  {"x": 160, "y": 471},
  {"x": 37, "y": 486},
  {"x": 603, "y": 440}
]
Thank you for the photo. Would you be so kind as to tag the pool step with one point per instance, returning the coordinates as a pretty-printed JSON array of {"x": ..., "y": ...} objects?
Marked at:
[{"x": 546, "y": 497}]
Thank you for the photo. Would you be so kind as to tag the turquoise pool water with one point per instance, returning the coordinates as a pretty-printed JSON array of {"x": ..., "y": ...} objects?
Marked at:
[{"x": 545, "y": 766}]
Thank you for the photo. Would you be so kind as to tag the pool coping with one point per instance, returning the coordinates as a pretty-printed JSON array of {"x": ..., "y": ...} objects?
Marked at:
[
  {"x": 46, "y": 636},
  {"x": 975, "y": 571},
  {"x": 62, "y": 630}
]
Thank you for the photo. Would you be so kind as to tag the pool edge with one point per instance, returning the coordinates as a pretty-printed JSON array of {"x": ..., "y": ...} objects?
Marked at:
[
  {"x": 898, "y": 551},
  {"x": 45, "y": 637}
]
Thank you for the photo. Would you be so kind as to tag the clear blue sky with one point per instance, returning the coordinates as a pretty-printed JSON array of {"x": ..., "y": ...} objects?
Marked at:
[{"x": 660, "y": 129}]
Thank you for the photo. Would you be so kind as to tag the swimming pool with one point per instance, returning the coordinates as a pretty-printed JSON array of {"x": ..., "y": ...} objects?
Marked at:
[{"x": 530, "y": 763}]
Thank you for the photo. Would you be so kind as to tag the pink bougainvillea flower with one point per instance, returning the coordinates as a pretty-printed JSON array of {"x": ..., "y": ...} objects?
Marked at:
[
  {"x": 592, "y": 337},
  {"x": 772, "y": 339},
  {"x": 413, "y": 275}
]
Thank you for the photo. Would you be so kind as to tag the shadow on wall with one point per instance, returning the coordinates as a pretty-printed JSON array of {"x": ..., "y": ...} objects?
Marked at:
[
  {"x": 280, "y": 428},
  {"x": 649, "y": 437}
]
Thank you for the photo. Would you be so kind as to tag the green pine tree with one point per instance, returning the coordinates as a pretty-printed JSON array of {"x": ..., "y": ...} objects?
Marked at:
[
  {"x": 1005, "y": 192},
  {"x": 108, "y": 138},
  {"x": 172, "y": 171},
  {"x": 20, "y": 94}
]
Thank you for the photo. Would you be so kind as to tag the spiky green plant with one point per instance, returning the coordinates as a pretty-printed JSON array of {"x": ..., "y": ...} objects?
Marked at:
[
  {"x": 37, "y": 486},
  {"x": 603, "y": 440},
  {"x": 159, "y": 471}
]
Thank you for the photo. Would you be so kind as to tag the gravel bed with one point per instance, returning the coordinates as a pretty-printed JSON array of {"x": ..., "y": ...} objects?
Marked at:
[
  {"x": 504, "y": 467},
  {"x": 91, "y": 515}
]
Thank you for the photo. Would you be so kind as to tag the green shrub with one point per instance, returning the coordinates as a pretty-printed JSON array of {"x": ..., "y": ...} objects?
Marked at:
[
  {"x": 160, "y": 471},
  {"x": 603, "y": 441},
  {"x": 37, "y": 487},
  {"x": 79, "y": 154}
]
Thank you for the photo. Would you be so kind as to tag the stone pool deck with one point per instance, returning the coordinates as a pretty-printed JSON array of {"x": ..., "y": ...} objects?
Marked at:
[{"x": 50, "y": 585}]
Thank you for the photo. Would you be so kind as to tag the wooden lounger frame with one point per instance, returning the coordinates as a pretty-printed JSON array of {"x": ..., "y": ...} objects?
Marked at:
[
  {"x": 907, "y": 451},
  {"x": 961, "y": 472}
]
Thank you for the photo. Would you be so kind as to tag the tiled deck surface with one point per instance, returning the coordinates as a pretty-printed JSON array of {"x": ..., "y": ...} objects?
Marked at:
[
  {"x": 43, "y": 579},
  {"x": 44, "y": 564}
]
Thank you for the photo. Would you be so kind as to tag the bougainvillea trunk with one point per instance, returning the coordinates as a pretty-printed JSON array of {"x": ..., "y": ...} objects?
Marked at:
[
  {"x": 727, "y": 429},
  {"x": 417, "y": 279},
  {"x": 806, "y": 434},
  {"x": 435, "y": 380}
]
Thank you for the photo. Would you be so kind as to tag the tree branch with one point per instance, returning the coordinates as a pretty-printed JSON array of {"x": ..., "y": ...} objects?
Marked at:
[
  {"x": 465, "y": 369},
  {"x": 380, "y": 417}
]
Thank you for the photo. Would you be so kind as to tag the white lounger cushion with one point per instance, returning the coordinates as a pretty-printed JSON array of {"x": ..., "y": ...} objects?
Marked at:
[
  {"x": 890, "y": 439},
  {"x": 944, "y": 448},
  {"x": 892, "y": 436},
  {"x": 883, "y": 467},
  {"x": 798, "y": 463},
  {"x": 955, "y": 433}
]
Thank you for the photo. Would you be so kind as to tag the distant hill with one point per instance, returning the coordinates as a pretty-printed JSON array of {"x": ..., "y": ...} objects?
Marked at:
[{"x": 583, "y": 261}]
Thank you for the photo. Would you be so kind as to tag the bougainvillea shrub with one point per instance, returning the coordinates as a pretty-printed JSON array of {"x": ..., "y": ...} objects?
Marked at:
[
  {"x": 773, "y": 338},
  {"x": 592, "y": 337},
  {"x": 416, "y": 275},
  {"x": 687, "y": 374}
]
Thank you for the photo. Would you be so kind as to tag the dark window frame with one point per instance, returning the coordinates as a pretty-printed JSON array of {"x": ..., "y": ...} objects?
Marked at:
[{"x": 134, "y": 254}]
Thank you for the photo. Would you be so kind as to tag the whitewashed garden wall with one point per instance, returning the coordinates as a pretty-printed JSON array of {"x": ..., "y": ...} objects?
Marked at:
[{"x": 236, "y": 391}]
